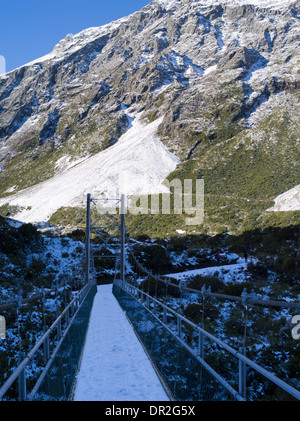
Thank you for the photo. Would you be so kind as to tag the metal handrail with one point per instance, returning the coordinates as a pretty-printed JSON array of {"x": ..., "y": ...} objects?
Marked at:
[
  {"x": 166, "y": 279},
  {"x": 79, "y": 298},
  {"x": 39, "y": 295},
  {"x": 283, "y": 385}
]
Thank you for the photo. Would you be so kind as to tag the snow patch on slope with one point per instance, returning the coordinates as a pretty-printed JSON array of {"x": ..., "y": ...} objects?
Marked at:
[
  {"x": 137, "y": 164},
  {"x": 288, "y": 201}
]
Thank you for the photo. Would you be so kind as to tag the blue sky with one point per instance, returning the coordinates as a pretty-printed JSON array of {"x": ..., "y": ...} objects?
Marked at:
[{"x": 30, "y": 29}]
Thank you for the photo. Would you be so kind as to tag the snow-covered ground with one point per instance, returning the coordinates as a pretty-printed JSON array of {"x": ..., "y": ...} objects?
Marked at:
[
  {"x": 114, "y": 364},
  {"x": 287, "y": 201},
  {"x": 207, "y": 271},
  {"x": 137, "y": 164},
  {"x": 225, "y": 272}
]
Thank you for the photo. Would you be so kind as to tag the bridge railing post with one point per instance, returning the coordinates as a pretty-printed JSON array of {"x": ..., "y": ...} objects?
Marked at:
[
  {"x": 201, "y": 343},
  {"x": 242, "y": 374},
  {"x": 123, "y": 239},
  {"x": 22, "y": 379},
  {"x": 67, "y": 316},
  {"x": 46, "y": 347},
  {"x": 164, "y": 315},
  {"x": 87, "y": 240},
  {"x": 59, "y": 330},
  {"x": 179, "y": 326}
]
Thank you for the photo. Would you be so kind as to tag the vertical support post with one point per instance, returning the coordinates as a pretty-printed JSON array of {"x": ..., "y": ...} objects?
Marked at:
[
  {"x": 242, "y": 374},
  {"x": 67, "y": 316},
  {"x": 179, "y": 326},
  {"x": 87, "y": 240},
  {"x": 46, "y": 346},
  {"x": 59, "y": 330},
  {"x": 2, "y": 327},
  {"x": 22, "y": 379},
  {"x": 122, "y": 268},
  {"x": 201, "y": 343},
  {"x": 164, "y": 315}
]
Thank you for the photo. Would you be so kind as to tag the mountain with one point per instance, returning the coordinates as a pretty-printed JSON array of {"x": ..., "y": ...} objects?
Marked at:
[{"x": 179, "y": 89}]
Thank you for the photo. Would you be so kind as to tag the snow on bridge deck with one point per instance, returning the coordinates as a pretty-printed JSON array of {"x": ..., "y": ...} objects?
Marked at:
[{"x": 114, "y": 365}]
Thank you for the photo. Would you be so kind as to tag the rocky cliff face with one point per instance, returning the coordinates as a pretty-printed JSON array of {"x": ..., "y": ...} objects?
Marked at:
[{"x": 222, "y": 77}]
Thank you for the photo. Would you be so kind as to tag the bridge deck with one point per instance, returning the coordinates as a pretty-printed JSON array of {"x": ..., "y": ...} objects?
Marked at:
[{"x": 114, "y": 365}]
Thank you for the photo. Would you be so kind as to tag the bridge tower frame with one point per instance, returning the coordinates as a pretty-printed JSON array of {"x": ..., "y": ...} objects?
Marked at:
[{"x": 118, "y": 227}]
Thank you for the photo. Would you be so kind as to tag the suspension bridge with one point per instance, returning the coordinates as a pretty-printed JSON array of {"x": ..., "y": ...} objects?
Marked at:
[{"x": 118, "y": 341}]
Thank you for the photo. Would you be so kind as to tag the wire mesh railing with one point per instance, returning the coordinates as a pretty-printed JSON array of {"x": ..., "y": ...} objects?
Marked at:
[
  {"x": 184, "y": 375},
  {"x": 190, "y": 374},
  {"x": 59, "y": 350}
]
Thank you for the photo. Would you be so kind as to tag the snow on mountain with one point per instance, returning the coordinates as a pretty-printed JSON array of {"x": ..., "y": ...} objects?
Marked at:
[
  {"x": 260, "y": 3},
  {"x": 287, "y": 201},
  {"x": 208, "y": 75},
  {"x": 74, "y": 42},
  {"x": 137, "y": 164}
]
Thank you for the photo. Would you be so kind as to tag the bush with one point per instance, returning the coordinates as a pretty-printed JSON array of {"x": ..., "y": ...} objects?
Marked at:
[
  {"x": 35, "y": 269},
  {"x": 235, "y": 326},
  {"x": 154, "y": 258},
  {"x": 143, "y": 238},
  {"x": 152, "y": 286},
  {"x": 232, "y": 288},
  {"x": 193, "y": 312},
  {"x": 257, "y": 270},
  {"x": 209, "y": 281},
  {"x": 289, "y": 263},
  {"x": 28, "y": 233},
  {"x": 77, "y": 235}
]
